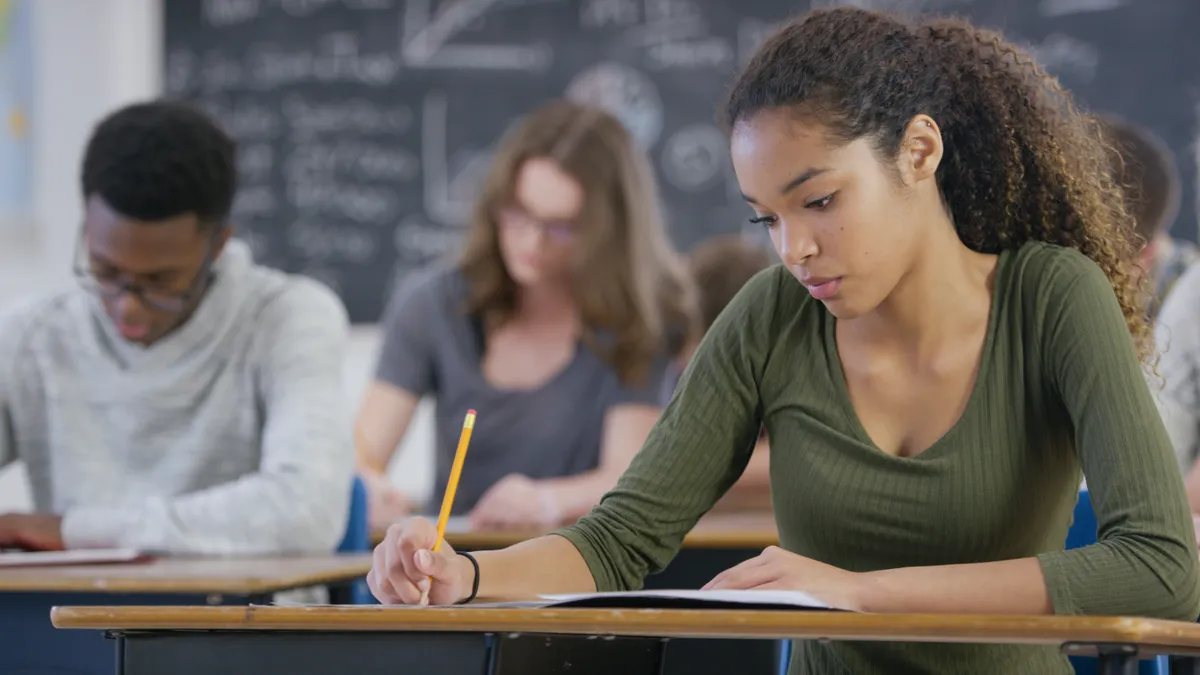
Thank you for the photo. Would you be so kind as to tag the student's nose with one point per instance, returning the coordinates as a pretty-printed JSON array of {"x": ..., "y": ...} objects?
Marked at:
[
  {"x": 128, "y": 309},
  {"x": 796, "y": 244}
]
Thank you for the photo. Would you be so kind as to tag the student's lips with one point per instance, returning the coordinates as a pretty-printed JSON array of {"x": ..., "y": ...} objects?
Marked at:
[
  {"x": 133, "y": 332},
  {"x": 822, "y": 288}
]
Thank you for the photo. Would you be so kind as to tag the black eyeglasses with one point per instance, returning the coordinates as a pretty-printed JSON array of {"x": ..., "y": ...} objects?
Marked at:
[{"x": 158, "y": 299}]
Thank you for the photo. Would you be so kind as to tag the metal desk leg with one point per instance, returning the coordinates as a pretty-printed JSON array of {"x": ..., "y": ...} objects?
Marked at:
[{"x": 1117, "y": 660}]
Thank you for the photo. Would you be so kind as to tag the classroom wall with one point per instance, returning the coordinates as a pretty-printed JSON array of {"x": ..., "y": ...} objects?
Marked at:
[{"x": 92, "y": 56}]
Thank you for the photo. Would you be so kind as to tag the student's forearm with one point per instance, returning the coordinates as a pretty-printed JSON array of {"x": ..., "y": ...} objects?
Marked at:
[
  {"x": 367, "y": 459},
  {"x": 1003, "y": 587},
  {"x": 549, "y": 564},
  {"x": 576, "y": 495}
]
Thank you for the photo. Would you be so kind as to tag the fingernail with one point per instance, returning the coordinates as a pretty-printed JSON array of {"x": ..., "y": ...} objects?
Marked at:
[{"x": 424, "y": 558}]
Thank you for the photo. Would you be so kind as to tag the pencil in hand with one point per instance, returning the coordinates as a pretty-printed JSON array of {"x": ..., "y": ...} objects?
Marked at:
[{"x": 451, "y": 487}]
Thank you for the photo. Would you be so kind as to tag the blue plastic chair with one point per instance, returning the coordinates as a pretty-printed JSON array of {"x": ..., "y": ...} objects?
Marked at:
[
  {"x": 1082, "y": 533},
  {"x": 358, "y": 538}
]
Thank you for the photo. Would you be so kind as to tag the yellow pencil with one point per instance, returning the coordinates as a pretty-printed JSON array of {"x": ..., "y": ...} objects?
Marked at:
[{"x": 455, "y": 472}]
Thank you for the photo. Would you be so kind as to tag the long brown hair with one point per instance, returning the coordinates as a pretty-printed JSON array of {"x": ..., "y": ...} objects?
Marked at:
[
  {"x": 1021, "y": 162},
  {"x": 627, "y": 280}
]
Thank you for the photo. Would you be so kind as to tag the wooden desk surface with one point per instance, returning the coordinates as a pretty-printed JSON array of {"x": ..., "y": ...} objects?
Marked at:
[
  {"x": 224, "y": 576},
  {"x": 1157, "y": 636},
  {"x": 746, "y": 530}
]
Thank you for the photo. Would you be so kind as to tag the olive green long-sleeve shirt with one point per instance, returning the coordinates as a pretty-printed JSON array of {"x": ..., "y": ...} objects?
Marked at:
[{"x": 1059, "y": 389}]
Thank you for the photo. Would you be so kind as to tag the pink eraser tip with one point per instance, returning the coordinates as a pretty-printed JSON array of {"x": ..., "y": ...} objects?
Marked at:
[{"x": 470, "y": 412}]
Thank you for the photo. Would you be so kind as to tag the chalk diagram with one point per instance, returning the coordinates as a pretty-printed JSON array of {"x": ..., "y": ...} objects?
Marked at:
[
  {"x": 694, "y": 157},
  {"x": 448, "y": 191},
  {"x": 425, "y": 39},
  {"x": 625, "y": 93}
]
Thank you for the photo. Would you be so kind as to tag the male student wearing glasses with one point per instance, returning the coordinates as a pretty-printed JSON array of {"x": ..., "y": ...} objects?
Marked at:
[{"x": 181, "y": 399}]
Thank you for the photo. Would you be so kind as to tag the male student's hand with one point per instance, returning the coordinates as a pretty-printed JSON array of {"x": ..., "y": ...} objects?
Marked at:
[
  {"x": 31, "y": 531},
  {"x": 515, "y": 502}
]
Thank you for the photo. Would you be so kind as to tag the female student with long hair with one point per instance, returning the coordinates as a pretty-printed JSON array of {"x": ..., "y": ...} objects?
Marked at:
[
  {"x": 953, "y": 334},
  {"x": 556, "y": 324}
]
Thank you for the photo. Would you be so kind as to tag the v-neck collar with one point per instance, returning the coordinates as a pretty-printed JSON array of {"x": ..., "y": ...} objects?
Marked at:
[{"x": 945, "y": 441}]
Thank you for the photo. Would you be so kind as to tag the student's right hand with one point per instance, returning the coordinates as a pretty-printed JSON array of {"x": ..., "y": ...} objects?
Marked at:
[{"x": 405, "y": 562}]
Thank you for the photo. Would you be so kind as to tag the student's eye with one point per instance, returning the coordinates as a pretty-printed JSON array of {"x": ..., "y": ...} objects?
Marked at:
[
  {"x": 820, "y": 204},
  {"x": 763, "y": 220}
]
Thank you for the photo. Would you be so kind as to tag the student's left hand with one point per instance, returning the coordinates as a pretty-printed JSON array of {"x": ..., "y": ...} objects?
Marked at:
[
  {"x": 779, "y": 570},
  {"x": 31, "y": 531},
  {"x": 515, "y": 502}
]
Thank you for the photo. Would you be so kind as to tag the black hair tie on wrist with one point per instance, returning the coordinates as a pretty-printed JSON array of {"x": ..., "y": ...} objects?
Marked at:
[{"x": 475, "y": 585}]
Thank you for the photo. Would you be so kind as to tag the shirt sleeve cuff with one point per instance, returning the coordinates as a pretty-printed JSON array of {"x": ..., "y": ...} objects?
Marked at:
[
  {"x": 1056, "y": 569},
  {"x": 93, "y": 528},
  {"x": 605, "y": 582}
]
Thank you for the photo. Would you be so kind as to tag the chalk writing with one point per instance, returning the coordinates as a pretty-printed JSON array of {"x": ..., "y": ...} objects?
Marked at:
[
  {"x": 367, "y": 204},
  {"x": 245, "y": 120},
  {"x": 338, "y": 60},
  {"x": 714, "y": 53},
  {"x": 594, "y": 14},
  {"x": 306, "y": 118},
  {"x": 1067, "y": 57},
  {"x": 355, "y": 161},
  {"x": 1057, "y": 8},
  {"x": 255, "y": 161},
  {"x": 325, "y": 244},
  {"x": 229, "y": 12},
  {"x": 423, "y": 241},
  {"x": 254, "y": 202}
]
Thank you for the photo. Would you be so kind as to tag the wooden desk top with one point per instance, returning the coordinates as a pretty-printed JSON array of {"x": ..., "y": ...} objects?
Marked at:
[
  {"x": 1156, "y": 636},
  {"x": 745, "y": 530},
  {"x": 216, "y": 576}
]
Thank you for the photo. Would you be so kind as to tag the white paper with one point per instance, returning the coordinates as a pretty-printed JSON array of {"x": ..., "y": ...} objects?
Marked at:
[
  {"x": 781, "y": 598},
  {"x": 73, "y": 557}
]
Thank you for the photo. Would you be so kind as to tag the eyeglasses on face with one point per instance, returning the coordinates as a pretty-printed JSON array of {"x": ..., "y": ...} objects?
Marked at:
[
  {"x": 515, "y": 217},
  {"x": 113, "y": 286}
]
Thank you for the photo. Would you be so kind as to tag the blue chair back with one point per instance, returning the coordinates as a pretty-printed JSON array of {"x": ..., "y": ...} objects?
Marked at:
[
  {"x": 1083, "y": 532},
  {"x": 358, "y": 538}
]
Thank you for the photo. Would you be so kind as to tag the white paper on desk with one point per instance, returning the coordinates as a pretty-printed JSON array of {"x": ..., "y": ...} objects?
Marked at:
[
  {"x": 777, "y": 599},
  {"x": 93, "y": 556}
]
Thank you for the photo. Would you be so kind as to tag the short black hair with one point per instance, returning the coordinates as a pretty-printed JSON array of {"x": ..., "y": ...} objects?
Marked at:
[
  {"x": 160, "y": 159},
  {"x": 1144, "y": 167}
]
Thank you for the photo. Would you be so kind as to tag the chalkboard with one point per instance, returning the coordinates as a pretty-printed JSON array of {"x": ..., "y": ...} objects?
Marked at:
[{"x": 366, "y": 125}]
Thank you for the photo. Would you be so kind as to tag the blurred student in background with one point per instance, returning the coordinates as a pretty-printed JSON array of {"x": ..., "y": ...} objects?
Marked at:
[
  {"x": 1144, "y": 167},
  {"x": 181, "y": 399},
  {"x": 1177, "y": 335},
  {"x": 557, "y": 323},
  {"x": 720, "y": 266}
]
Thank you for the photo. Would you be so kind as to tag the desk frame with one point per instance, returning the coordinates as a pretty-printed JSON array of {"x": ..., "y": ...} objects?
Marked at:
[{"x": 624, "y": 641}]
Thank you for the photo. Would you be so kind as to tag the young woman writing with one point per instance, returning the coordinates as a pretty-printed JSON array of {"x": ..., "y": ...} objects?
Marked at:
[{"x": 946, "y": 344}]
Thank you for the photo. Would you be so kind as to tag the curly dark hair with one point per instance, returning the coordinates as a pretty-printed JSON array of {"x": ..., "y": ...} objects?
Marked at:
[
  {"x": 159, "y": 159},
  {"x": 1020, "y": 161}
]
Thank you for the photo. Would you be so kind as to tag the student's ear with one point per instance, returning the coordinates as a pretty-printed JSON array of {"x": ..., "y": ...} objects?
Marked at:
[
  {"x": 222, "y": 238},
  {"x": 920, "y": 150}
]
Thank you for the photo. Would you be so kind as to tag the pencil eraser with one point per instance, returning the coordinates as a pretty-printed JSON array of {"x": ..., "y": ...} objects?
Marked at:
[{"x": 470, "y": 412}]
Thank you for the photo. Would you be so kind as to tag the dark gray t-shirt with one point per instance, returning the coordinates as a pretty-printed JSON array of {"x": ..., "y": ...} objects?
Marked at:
[{"x": 431, "y": 346}]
